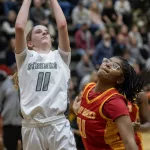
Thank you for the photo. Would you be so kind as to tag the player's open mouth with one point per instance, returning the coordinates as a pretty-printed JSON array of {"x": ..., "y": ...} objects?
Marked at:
[{"x": 44, "y": 37}]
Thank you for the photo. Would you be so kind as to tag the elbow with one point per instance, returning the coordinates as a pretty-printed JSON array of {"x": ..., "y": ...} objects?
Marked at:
[
  {"x": 19, "y": 27},
  {"x": 62, "y": 25}
]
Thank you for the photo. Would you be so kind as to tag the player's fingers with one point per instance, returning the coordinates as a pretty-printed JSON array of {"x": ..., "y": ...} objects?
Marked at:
[
  {"x": 76, "y": 99},
  {"x": 136, "y": 124},
  {"x": 75, "y": 103}
]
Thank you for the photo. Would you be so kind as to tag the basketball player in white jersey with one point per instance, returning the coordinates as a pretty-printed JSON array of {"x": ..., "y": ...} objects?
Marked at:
[{"x": 43, "y": 82}]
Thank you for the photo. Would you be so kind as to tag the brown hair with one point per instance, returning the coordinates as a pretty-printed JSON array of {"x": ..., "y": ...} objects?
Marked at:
[
  {"x": 29, "y": 38},
  {"x": 15, "y": 81}
]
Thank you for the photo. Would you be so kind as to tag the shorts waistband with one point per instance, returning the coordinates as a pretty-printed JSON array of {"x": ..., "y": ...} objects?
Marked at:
[{"x": 43, "y": 122}]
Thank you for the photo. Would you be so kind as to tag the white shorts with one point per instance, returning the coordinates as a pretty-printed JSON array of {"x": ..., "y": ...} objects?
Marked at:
[{"x": 53, "y": 136}]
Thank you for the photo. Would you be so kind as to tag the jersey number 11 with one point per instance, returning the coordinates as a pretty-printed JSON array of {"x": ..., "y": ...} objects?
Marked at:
[{"x": 43, "y": 81}]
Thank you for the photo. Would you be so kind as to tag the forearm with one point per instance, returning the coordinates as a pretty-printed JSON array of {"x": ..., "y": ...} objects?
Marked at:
[
  {"x": 131, "y": 145},
  {"x": 23, "y": 14},
  {"x": 58, "y": 13}
]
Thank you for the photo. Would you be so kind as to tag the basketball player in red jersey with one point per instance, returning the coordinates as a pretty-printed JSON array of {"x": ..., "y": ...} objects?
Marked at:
[
  {"x": 103, "y": 116},
  {"x": 139, "y": 115}
]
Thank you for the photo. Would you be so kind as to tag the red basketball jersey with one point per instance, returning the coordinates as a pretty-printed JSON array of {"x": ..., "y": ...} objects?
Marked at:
[{"x": 98, "y": 132}]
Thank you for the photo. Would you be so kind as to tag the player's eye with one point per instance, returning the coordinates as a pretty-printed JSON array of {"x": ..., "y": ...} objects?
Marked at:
[{"x": 38, "y": 31}]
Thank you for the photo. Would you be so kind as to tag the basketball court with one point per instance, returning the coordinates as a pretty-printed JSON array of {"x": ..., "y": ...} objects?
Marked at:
[{"x": 146, "y": 140}]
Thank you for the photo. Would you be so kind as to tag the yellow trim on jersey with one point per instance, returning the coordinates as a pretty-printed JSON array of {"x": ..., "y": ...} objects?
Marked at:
[
  {"x": 140, "y": 137},
  {"x": 137, "y": 114},
  {"x": 96, "y": 98},
  {"x": 88, "y": 86},
  {"x": 100, "y": 108}
]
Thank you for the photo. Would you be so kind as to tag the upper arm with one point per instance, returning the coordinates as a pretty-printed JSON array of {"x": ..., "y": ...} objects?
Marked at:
[
  {"x": 63, "y": 36},
  {"x": 66, "y": 56},
  {"x": 20, "y": 58},
  {"x": 126, "y": 131},
  {"x": 143, "y": 107},
  {"x": 20, "y": 40}
]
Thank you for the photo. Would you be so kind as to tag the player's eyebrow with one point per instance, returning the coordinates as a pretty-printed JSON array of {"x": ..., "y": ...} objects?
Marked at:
[{"x": 115, "y": 62}]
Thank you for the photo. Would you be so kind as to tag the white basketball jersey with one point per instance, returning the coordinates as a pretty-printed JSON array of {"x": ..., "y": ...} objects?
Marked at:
[{"x": 43, "y": 82}]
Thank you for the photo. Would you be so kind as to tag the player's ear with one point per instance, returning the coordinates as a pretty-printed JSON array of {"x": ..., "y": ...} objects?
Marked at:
[{"x": 30, "y": 45}]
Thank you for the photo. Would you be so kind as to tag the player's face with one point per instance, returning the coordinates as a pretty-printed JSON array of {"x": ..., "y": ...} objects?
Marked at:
[
  {"x": 40, "y": 35},
  {"x": 111, "y": 70}
]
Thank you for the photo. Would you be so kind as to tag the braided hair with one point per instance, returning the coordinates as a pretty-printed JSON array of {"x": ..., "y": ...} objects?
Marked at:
[{"x": 133, "y": 83}]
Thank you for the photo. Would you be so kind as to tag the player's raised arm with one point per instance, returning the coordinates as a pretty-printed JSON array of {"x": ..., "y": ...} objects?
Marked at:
[
  {"x": 64, "y": 43},
  {"x": 21, "y": 25}
]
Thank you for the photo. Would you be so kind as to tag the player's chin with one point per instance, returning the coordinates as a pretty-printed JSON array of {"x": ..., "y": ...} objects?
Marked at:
[
  {"x": 45, "y": 41},
  {"x": 102, "y": 74},
  {"x": 103, "y": 71}
]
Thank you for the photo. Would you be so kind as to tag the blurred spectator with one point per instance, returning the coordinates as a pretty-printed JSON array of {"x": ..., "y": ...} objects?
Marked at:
[
  {"x": 87, "y": 79},
  {"x": 95, "y": 17},
  {"x": 9, "y": 110},
  {"x": 84, "y": 40},
  {"x": 74, "y": 2},
  {"x": 122, "y": 7},
  {"x": 2, "y": 12},
  {"x": 66, "y": 7},
  {"x": 10, "y": 5},
  {"x": 3, "y": 46},
  {"x": 144, "y": 35},
  {"x": 99, "y": 35},
  {"x": 109, "y": 15},
  {"x": 135, "y": 51},
  {"x": 136, "y": 34},
  {"x": 80, "y": 15},
  {"x": 38, "y": 16},
  {"x": 119, "y": 47},
  {"x": 10, "y": 54},
  {"x": 100, "y": 4},
  {"x": 8, "y": 26},
  {"x": 112, "y": 33},
  {"x": 125, "y": 33},
  {"x": 103, "y": 49},
  {"x": 87, "y": 3},
  {"x": 6, "y": 69},
  {"x": 84, "y": 67}
]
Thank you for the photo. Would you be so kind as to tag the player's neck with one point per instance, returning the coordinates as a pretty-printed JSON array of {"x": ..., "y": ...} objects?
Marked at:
[
  {"x": 102, "y": 86},
  {"x": 42, "y": 49}
]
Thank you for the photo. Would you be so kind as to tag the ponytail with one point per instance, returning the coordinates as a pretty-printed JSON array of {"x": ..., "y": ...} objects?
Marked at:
[{"x": 15, "y": 80}]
